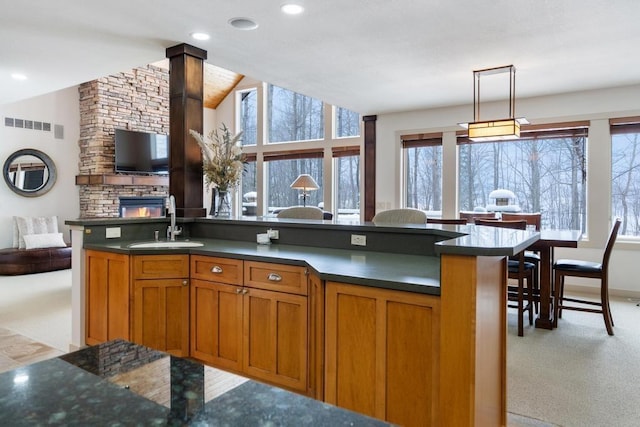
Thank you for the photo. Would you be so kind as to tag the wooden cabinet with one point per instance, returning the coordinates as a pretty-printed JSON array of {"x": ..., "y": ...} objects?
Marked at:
[
  {"x": 382, "y": 353},
  {"x": 107, "y": 296},
  {"x": 252, "y": 318},
  {"x": 161, "y": 302}
]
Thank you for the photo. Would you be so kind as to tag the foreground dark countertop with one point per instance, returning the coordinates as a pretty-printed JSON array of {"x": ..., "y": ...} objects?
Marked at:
[{"x": 111, "y": 384}]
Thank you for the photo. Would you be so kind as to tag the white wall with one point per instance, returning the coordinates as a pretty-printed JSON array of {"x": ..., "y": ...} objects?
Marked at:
[{"x": 59, "y": 108}]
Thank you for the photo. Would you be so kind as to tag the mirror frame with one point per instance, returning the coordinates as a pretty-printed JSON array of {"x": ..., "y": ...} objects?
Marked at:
[{"x": 47, "y": 162}]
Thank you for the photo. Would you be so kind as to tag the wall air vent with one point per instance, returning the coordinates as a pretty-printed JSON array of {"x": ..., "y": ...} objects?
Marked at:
[{"x": 30, "y": 124}]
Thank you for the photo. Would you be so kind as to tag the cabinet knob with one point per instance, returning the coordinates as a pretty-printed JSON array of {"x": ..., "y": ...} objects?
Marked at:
[
  {"x": 239, "y": 291},
  {"x": 216, "y": 269},
  {"x": 274, "y": 277},
  {"x": 245, "y": 291},
  {"x": 185, "y": 282}
]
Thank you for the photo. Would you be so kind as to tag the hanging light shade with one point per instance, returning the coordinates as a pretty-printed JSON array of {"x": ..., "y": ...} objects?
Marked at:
[{"x": 507, "y": 128}]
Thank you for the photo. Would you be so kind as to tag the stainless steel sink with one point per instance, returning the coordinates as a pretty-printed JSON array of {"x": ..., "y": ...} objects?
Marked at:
[{"x": 166, "y": 244}]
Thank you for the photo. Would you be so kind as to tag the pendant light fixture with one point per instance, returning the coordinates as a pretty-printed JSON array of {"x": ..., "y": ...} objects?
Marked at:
[{"x": 507, "y": 128}]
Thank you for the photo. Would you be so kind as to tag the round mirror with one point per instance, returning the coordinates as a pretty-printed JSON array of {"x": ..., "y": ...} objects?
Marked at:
[{"x": 29, "y": 172}]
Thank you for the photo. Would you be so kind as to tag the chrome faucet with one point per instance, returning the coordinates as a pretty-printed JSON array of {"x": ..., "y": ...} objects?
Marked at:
[{"x": 172, "y": 230}]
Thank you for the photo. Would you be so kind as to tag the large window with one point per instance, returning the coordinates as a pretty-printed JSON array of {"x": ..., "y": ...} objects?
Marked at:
[
  {"x": 545, "y": 170},
  {"x": 249, "y": 188},
  {"x": 293, "y": 116},
  {"x": 625, "y": 177},
  {"x": 248, "y": 115},
  {"x": 282, "y": 170},
  {"x": 347, "y": 180},
  {"x": 423, "y": 172},
  {"x": 347, "y": 123}
]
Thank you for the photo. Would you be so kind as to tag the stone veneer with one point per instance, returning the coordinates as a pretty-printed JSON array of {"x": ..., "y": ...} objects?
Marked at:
[{"x": 135, "y": 100}]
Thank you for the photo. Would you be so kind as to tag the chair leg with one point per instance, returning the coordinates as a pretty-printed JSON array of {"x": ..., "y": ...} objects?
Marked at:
[
  {"x": 606, "y": 310},
  {"x": 520, "y": 308},
  {"x": 558, "y": 278},
  {"x": 530, "y": 303}
]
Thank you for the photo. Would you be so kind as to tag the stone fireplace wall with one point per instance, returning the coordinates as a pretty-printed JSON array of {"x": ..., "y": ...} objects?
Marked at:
[{"x": 135, "y": 100}]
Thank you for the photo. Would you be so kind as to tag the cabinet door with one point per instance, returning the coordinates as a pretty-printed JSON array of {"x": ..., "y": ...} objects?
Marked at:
[
  {"x": 382, "y": 353},
  {"x": 107, "y": 296},
  {"x": 275, "y": 331},
  {"x": 161, "y": 315},
  {"x": 216, "y": 324}
]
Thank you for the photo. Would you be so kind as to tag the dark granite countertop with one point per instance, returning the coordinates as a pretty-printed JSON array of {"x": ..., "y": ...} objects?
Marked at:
[
  {"x": 413, "y": 273},
  {"x": 124, "y": 384}
]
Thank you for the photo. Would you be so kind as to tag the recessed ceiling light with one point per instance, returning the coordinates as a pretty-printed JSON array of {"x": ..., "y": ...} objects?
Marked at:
[
  {"x": 18, "y": 76},
  {"x": 200, "y": 36},
  {"x": 292, "y": 8},
  {"x": 243, "y": 23}
]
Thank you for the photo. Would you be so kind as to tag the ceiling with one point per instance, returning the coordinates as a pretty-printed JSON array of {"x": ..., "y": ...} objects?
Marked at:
[{"x": 371, "y": 56}]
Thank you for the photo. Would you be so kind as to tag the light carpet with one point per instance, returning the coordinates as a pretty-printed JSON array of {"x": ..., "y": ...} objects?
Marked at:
[
  {"x": 38, "y": 306},
  {"x": 575, "y": 375}
]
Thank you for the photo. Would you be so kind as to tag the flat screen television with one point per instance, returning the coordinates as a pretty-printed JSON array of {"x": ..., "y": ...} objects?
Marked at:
[{"x": 141, "y": 152}]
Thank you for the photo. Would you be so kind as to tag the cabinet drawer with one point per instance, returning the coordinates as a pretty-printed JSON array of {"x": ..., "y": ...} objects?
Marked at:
[
  {"x": 160, "y": 266},
  {"x": 214, "y": 269},
  {"x": 276, "y": 277}
]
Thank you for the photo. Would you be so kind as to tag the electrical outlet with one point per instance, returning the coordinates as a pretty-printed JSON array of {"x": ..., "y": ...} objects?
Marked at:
[
  {"x": 358, "y": 240},
  {"x": 273, "y": 234},
  {"x": 112, "y": 233}
]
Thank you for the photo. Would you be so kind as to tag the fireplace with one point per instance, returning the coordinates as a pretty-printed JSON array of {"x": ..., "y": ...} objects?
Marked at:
[{"x": 142, "y": 207}]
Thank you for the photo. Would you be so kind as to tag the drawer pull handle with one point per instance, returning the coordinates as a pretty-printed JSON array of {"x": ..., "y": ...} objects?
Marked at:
[
  {"x": 216, "y": 269},
  {"x": 274, "y": 277}
]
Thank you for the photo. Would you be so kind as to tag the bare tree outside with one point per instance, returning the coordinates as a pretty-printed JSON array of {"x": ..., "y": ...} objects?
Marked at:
[
  {"x": 547, "y": 175},
  {"x": 625, "y": 181}
]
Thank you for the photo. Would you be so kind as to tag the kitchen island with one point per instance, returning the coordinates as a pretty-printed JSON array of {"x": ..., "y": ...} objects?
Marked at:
[
  {"x": 410, "y": 328},
  {"x": 121, "y": 383}
]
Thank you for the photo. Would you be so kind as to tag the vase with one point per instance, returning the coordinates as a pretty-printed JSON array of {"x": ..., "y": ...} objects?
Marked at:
[{"x": 222, "y": 206}]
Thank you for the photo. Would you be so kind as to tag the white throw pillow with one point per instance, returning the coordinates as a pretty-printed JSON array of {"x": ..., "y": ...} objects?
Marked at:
[
  {"x": 35, "y": 225},
  {"x": 16, "y": 233},
  {"x": 45, "y": 240}
]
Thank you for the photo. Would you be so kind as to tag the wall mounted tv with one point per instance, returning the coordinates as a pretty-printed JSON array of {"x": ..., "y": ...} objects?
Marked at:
[{"x": 141, "y": 152}]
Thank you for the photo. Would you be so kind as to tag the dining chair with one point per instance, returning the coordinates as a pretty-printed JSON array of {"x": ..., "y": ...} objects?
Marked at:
[
  {"x": 450, "y": 221},
  {"x": 533, "y": 219},
  {"x": 471, "y": 216},
  {"x": 400, "y": 216},
  {"x": 593, "y": 270},
  {"x": 301, "y": 212},
  {"x": 520, "y": 270}
]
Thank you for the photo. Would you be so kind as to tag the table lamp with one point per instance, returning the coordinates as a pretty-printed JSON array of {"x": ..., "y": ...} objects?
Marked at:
[{"x": 304, "y": 182}]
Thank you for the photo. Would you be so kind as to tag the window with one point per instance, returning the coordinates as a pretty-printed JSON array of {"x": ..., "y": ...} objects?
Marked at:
[
  {"x": 625, "y": 177},
  {"x": 283, "y": 169},
  {"x": 248, "y": 116},
  {"x": 292, "y": 116},
  {"x": 249, "y": 188},
  {"x": 347, "y": 179},
  {"x": 545, "y": 169},
  {"x": 423, "y": 172},
  {"x": 347, "y": 123}
]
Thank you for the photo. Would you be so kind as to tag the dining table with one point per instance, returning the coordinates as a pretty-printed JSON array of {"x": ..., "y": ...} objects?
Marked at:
[{"x": 550, "y": 239}]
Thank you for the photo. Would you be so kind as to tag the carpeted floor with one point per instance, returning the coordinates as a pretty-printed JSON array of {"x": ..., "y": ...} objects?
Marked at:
[{"x": 575, "y": 375}]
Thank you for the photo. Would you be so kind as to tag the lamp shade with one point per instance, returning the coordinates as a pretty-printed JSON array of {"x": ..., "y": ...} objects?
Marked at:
[{"x": 305, "y": 182}]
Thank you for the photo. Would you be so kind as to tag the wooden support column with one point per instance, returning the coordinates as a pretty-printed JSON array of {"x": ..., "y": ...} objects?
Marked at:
[
  {"x": 369, "y": 166},
  {"x": 186, "y": 83}
]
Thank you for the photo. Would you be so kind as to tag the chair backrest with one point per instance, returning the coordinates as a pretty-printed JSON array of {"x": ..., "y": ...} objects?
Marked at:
[
  {"x": 400, "y": 216},
  {"x": 519, "y": 224},
  {"x": 301, "y": 212},
  {"x": 471, "y": 216},
  {"x": 531, "y": 218},
  {"x": 455, "y": 221},
  {"x": 613, "y": 234}
]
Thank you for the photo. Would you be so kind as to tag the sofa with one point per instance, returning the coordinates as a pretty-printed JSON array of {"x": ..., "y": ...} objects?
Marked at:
[{"x": 37, "y": 247}]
